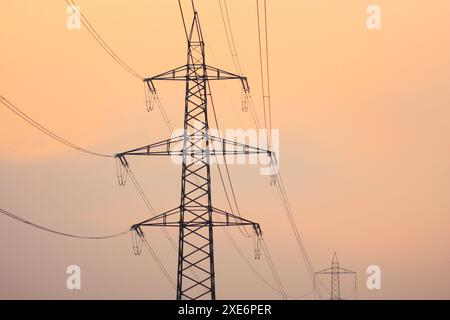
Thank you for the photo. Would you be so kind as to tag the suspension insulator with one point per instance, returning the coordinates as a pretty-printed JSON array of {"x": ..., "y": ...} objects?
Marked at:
[
  {"x": 122, "y": 172},
  {"x": 137, "y": 242},
  {"x": 245, "y": 100},
  {"x": 150, "y": 100},
  {"x": 151, "y": 96},
  {"x": 273, "y": 180},
  {"x": 257, "y": 247}
]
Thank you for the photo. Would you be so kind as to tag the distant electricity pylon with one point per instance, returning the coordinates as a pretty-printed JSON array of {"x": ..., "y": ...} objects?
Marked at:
[
  {"x": 335, "y": 282},
  {"x": 195, "y": 217}
]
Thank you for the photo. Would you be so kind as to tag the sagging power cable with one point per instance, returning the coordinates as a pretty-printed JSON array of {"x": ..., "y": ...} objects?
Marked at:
[
  {"x": 264, "y": 66},
  {"x": 280, "y": 186},
  {"x": 93, "y": 32},
  {"x": 8, "y": 104},
  {"x": 49, "y": 133},
  {"x": 245, "y": 232},
  {"x": 100, "y": 40},
  {"x": 267, "y": 255},
  {"x": 159, "y": 263},
  {"x": 32, "y": 224},
  {"x": 138, "y": 241}
]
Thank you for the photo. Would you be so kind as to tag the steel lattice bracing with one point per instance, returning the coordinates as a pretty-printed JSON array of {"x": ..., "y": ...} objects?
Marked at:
[
  {"x": 195, "y": 217},
  {"x": 335, "y": 286},
  {"x": 196, "y": 251}
]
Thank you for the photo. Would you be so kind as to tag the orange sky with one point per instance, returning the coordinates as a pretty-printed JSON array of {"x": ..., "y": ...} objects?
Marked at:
[{"x": 364, "y": 119}]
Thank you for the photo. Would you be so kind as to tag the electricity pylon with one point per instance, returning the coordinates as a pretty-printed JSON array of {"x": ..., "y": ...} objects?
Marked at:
[
  {"x": 335, "y": 271},
  {"x": 195, "y": 217}
]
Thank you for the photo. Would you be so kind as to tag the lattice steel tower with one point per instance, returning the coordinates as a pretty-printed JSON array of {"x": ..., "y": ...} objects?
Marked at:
[
  {"x": 335, "y": 282},
  {"x": 195, "y": 216}
]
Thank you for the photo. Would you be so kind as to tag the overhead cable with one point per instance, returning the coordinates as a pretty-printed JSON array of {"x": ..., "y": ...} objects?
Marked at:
[{"x": 32, "y": 224}]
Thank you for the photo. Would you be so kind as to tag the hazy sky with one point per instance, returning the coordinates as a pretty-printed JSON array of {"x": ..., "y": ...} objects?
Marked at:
[{"x": 364, "y": 118}]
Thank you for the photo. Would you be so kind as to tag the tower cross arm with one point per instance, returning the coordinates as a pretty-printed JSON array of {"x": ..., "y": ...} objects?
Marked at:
[
  {"x": 214, "y": 73},
  {"x": 220, "y": 218},
  {"x": 174, "y": 147},
  {"x": 346, "y": 271},
  {"x": 166, "y": 147},
  {"x": 335, "y": 270},
  {"x": 189, "y": 72},
  {"x": 324, "y": 271},
  {"x": 227, "y": 147}
]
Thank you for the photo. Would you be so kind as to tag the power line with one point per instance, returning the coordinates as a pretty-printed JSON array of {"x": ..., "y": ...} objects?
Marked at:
[
  {"x": 266, "y": 250},
  {"x": 92, "y": 31},
  {"x": 232, "y": 47},
  {"x": 265, "y": 83},
  {"x": 246, "y": 234},
  {"x": 116, "y": 235},
  {"x": 229, "y": 35},
  {"x": 249, "y": 264},
  {"x": 272, "y": 267},
  {"x": 287, "y": 207},
  {"x": 269, "y": 99},
  {"x": 138, "y": 240},
  {"x": 32, "y": 224},
  {"x": 159, "y": 263},
  {"x": 17, "y": 111},
  {"x": 225, "y": 15},
  {"x": 164, "y": 114},
  {"x": 38, "y": 126},
  {"x": 149, "y": 206},
  {"x": 183, "y": 19},
  {"x": 111, "y": 52},
  {"x": 237, "y": 65},
  {"x": 280, "y": 186},
  {"x": 152, "y": 211},
  {"x": 261, "y": 64},
  {"x": 100, "y": 40},
  {"x": 44, "y": 130}
]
